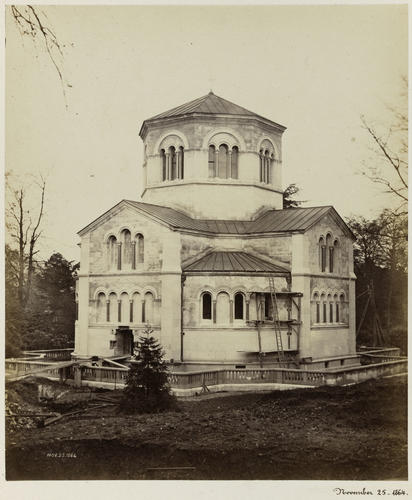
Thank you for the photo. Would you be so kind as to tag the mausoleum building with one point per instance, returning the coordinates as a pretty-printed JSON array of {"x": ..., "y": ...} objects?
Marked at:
[{"x": 209, "y": 258}]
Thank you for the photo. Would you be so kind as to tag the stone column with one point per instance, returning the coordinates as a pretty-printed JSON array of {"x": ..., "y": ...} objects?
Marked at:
[
  {"x": 231, "y": 311},
  {"x": 217, "y": 162},
  {"x": 247, "y": 310},
  {"x": 229, "y": 165}
]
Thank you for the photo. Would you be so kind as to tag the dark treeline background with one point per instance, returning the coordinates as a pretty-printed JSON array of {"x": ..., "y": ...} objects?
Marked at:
[
  {"x": 44, "y": 316},
  {"x": 380, "y": 257}
]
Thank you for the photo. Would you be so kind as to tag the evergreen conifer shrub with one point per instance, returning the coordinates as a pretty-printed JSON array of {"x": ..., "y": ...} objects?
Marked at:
[{"x": 147, "y": 388}]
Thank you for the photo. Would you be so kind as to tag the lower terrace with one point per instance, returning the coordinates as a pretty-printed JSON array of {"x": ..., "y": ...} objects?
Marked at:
[{"x": 190, "y": 379}]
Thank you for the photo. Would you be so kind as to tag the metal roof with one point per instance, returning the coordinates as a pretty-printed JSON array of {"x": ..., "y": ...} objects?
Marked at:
[
  {"x": 207, "y": 104},
  {"x": 272, "y": 221},
  {"x": 227, "y": 262},
  {"x": 292, "y": 219}
]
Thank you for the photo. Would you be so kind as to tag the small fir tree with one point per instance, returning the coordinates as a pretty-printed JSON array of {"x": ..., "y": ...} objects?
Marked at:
[{"x": 147, "y": 384}]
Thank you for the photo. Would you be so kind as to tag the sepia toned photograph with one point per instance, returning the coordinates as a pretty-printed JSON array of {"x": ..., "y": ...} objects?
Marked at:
[{"x": 206, "y": 225}]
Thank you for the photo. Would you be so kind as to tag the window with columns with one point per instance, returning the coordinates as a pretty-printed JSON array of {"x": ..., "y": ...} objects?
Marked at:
[
  {"x": 126, "y": 308},
  {"x": 266, "y": 160},
  {"x": 126, "y": 253},
  {"x": 172, "y": 163},
  {"x": 223, "y": 161},
  {"x": 330, "y": 309},
  {"x": 225, "y": 308},
  {"x": 328, "y": 254}
]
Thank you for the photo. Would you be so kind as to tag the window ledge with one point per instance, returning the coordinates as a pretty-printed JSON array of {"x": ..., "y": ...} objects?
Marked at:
[{"x": 329, "y": 326}]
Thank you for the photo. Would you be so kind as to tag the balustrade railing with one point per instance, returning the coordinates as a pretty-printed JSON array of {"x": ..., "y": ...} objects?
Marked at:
[
  {"x": 52, "y": 354},
  {"x": 187, "y": 380}
]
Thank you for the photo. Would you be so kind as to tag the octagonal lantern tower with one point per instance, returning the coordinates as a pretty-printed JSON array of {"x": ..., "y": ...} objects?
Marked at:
[{"x": 213, "y": 160}]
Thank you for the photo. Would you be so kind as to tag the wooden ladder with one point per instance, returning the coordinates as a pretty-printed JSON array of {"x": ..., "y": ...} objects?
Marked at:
[{"x": 276, "y": 323}]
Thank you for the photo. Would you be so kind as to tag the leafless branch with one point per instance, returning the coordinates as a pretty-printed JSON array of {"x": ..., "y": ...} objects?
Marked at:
[{"x": 29, "y": 23}]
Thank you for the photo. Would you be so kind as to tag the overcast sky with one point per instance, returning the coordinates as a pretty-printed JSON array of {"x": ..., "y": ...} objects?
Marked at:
[{"x": 314, "y": 69}]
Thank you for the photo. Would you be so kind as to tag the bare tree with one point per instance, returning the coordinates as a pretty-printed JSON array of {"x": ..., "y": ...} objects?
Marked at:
[
  {"x": 32, "y": 22},
  {"x": 24, "y": 229},
  {"x": 391, "y": 151}
]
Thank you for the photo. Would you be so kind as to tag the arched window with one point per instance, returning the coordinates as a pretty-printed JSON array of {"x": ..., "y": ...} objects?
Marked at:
[
  {"x": 324, "y": 311},
  {"x": 234, "y": 166},
  {"x": 239, "y": 307},
  {"x": 181, "y": 163},
  {"x": 268, "y": 160},
  {"x": 148, "y": 308},
  {"x": 126, "y": 250},
  {"x": 222, "y": 308},
  {"x": 212, "y": 161},
  {"x": 136, "y": 310},
  {"x": 343, "y": 311},
  {"x": 113, "y": 308},
  {"x": 163, "y": 160},
  {"x": 223, "y": 161},
  {"x": 124, "y": 308},
  {"x": 112, "y": 252},
  {"x": 322, "y": 255},
  {"x": 265, "y": 162},
  {"x": 206, "y": 306},
  {"x": 261, "y": 166},
  {"x": 139, "y": 249},
  {"x": 101, "y": 308},
  {"x": 173, "y": 171},
  {"x": 330, "y": 308},
  {"x": 328, "y": 245},
  {"x": 316, "y": 308},
  {"x": 335, "y": 299},
  {"x": 334, "y": 257}
]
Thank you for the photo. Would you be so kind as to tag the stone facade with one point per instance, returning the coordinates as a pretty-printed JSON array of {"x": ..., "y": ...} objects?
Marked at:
[{"x": 210, "y": 178}]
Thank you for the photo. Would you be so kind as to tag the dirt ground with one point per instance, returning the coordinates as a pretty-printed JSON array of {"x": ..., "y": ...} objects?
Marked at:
[{"x": 330, "y": 433}]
